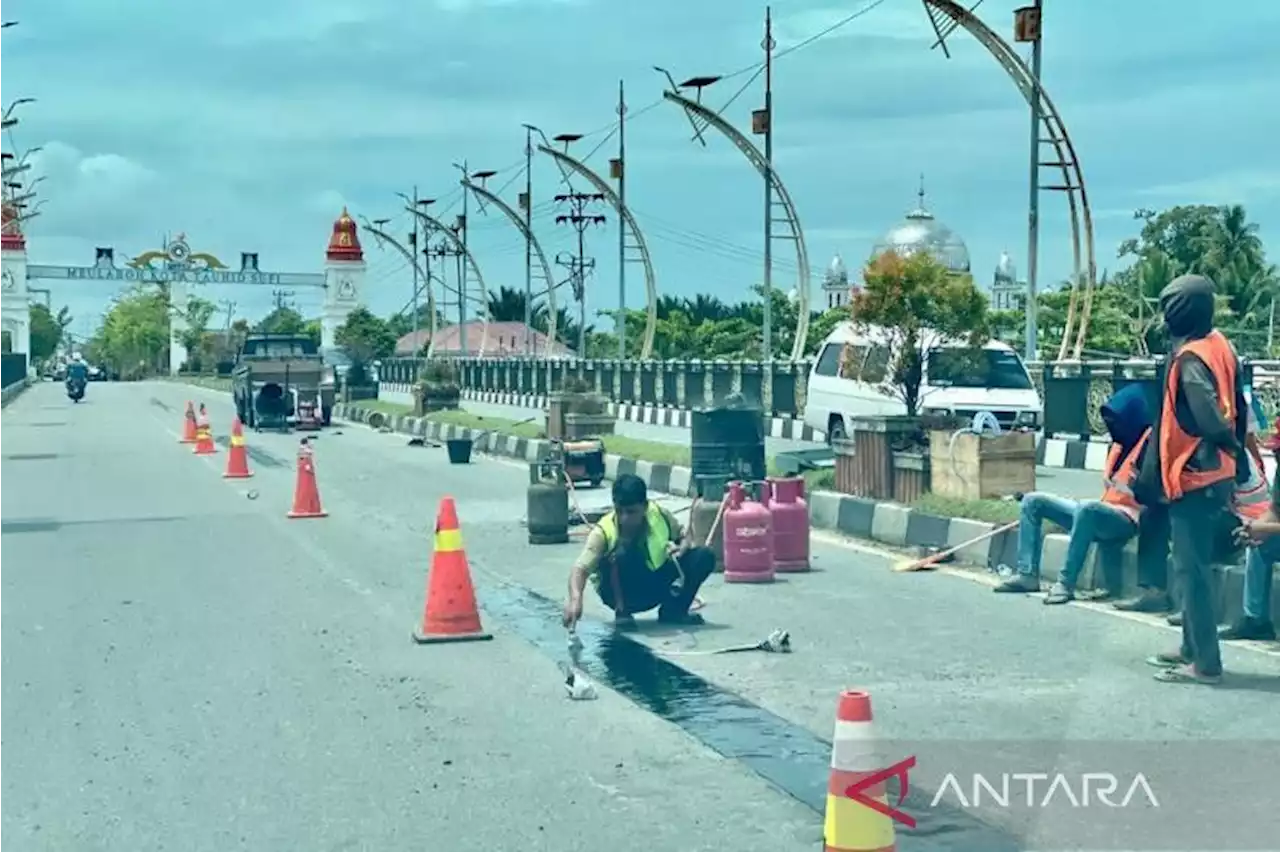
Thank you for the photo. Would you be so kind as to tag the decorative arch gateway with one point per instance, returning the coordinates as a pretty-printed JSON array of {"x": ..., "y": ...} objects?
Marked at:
[
  {"x": 549, "y": 281},
  {"x": 177, "y": 266},
  {"x": 1073, "y": 184},
  {"x": 790, "y": 217},
  {"x": 456, "y": 241},
  {"x": 568, "y": 163},
  {"x": 384, "y": 238}
]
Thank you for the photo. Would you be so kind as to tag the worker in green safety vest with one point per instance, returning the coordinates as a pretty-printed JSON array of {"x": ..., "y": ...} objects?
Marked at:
[{"x": 639, "y": 558}]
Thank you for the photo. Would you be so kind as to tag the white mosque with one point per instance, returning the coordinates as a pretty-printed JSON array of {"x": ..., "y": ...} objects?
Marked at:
[{"x": 921, "y": 231}]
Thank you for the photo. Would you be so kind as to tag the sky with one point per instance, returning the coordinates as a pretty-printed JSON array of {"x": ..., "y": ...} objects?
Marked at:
[{"x": 250, "y": 125}]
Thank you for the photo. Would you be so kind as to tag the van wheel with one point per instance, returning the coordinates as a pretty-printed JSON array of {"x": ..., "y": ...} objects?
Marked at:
[{"x": 835, "y": 429}]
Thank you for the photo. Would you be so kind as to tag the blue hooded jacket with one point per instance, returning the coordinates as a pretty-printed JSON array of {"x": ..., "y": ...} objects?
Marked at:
[{"x": 1127, "y": 415}]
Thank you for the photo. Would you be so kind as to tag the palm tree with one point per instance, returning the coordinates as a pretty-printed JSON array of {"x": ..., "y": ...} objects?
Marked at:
[{"x": 507, "y": 305}]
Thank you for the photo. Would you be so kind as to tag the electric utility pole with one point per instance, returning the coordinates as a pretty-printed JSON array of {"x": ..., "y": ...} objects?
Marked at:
[
  {"x": 283, "y": 299},
  {"x": 444, "y": 250},
  {"x": 526, "y": 204},
  {"x": 618, "y": 171},
  {"x": 579, "y": 265},
  {"x": 1027, "y": 28},
  {"x": 763, "y": 124}
]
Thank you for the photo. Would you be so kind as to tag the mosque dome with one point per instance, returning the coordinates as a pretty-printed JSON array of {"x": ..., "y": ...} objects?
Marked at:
[
  {"x": 345, "y": 242},
  {"x": 1006, "y": 272},
  {"x": 920, "y": 231}
]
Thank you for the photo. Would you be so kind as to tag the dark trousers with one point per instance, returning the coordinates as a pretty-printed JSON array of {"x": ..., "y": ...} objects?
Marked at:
[
  {"x": 627, "y": 586},
  {"x": 1153, "y": 549},
  {"x": 1193, "y": 521}
]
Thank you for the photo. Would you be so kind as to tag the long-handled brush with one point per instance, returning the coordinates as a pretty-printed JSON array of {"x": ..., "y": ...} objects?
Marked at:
[{"x": 931, "y": 561}]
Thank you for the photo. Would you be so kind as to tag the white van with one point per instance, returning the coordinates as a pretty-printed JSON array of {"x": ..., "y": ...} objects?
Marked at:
[{"x": 850, "y": 367}]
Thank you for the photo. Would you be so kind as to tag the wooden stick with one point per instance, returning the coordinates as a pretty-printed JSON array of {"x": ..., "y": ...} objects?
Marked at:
[
  {"x": 715, "y": 525},
  {"x": 933, "y": 559}
]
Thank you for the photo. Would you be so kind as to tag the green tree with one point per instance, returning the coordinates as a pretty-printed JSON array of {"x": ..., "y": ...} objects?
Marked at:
[
  {"x": 197, "y": 315},
  {"x": 282, "y": 321},
  {"x": 134, "y": 335},
  {"x": 912, "y": 305},
  {"x": 47, "y": 330},
  {"x": 507, "y": 305},
  {"x": 365, "y": 337}
]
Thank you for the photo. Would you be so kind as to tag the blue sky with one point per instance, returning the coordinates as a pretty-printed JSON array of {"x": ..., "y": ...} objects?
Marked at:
[{"x": 250, "y": 125}]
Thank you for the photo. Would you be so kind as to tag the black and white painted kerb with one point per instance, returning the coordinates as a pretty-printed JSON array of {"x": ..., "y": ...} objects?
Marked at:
[{"x": 888, "y": 523}]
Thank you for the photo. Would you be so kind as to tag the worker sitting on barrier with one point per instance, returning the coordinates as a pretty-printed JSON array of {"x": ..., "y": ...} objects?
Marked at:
[
  {"x": 1109, "y": 522},
  {"x": 638, "y": 557}
]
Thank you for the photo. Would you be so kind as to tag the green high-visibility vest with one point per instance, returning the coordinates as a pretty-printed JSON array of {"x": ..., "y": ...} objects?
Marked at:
[{"x": 659, "y": 536}]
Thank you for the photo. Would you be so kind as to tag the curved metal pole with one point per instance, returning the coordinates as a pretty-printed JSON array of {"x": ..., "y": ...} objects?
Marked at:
[
  {"x": 1073, "y": 178},
  {"x": 757, "y": 159},
  {"x": 460, "y": 246},
  {"x": 383, "y": 237},
  {"x": 565, "y": 161},
  {"x": 516, "y": 219}
]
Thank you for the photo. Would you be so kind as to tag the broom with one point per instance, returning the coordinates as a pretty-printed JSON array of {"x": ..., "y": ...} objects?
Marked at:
[{"x": 931, "y": 561}]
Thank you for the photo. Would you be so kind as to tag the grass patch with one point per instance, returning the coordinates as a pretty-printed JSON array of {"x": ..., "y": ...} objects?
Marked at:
[
  {"x": 500, "y": 425},
  {"x": 991, "y": 511},
  {"x": 382, "y": 406}
]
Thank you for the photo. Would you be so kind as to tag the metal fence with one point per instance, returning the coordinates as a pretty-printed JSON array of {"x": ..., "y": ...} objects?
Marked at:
[{"x": 1072, "y": 391}]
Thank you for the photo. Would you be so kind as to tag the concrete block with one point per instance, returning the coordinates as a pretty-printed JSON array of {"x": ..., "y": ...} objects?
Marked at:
[
  {"x": 681, "y": 481},
  {"x": 611, "y": 465},
  {"x": 535, "y": 449},
  {"x": 824, "y": 510},
  {"x": 889, "y": 523},
  {"x": 660, "y": 478},
  {"x": 502, "y": 445},
  {"x": 1052, "y": 557},
  {"x": 626, "y": 465},
  {"x": 855, "y": 516},
  {"x": 964, "y": 529},
  {"x": 927, "y": 530},
  {"x": 644, "y": 470}
]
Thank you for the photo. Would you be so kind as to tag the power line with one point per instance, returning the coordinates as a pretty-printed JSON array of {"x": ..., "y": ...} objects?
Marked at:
[{"x": 579, "y": 265}]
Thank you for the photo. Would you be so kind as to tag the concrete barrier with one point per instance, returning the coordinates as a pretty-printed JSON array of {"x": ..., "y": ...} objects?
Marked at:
[{"x": 13, "y": 391}]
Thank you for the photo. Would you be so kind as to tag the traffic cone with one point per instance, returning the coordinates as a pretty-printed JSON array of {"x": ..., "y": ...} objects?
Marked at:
[
  {"x": 858, "y": 813},
  {"x": 238, "y": 457},
  {"x": 204, "y": 434},
  {"x": 188, "y": 426},
  {"x": 306, "y": 497},
  {"x": 450, "y": 614}
]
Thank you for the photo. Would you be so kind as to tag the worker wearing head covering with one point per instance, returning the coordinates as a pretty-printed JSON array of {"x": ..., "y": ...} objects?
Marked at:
[
  {"x": 1199, "y": 440},
  {"x": 1109, "y": 521}
]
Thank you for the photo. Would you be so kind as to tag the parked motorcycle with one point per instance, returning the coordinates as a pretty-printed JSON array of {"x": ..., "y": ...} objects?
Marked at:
[{"x": 75, "y": 389}]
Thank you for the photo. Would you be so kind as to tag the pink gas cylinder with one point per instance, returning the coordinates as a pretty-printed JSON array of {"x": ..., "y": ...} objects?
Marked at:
[
  {"x": 790, "y": 514},
  {"x": 748, "y": 539}
]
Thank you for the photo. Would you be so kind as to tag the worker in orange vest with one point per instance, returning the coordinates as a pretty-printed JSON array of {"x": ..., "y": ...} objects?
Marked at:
[{"x": 1199, "y": 444}]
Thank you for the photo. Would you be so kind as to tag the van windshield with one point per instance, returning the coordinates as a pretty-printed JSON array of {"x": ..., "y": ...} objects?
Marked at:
[{"x": 988, "y": 368}]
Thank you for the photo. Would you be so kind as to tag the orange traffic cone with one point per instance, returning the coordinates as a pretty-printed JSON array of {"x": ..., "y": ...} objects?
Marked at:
[
  {"x": 306, "y": 497},
  {"x": 859, "y": 815},
  {"x": 188, "y": 426},
  {"x": 238, "y": 457},
  {"x": 450, "y": 614},
  {"x": 204, "y": 434}
]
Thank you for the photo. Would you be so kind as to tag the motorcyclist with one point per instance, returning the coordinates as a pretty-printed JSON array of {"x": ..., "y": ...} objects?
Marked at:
[{"x": 78, "y": 372}]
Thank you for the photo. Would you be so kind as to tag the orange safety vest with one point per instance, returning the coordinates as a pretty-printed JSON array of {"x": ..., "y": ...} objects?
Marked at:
[
  {"x": 1253, "y": 498},
  {"x": 1176, "y": 446},
  {"x": 1117, "y": 478}
]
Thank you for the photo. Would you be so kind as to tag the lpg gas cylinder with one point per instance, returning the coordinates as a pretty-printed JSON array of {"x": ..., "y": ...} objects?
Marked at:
[
  {"x": 547, "y": 505},
  {"x": 790, "y": 524},
  {"x": 748, "y": 539},
  {"x": 706, "y": 517}
]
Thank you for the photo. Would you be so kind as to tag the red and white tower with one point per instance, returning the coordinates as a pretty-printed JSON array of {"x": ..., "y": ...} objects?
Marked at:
[
  {"x": 344, "y": 271},
  {"x": 15, "y": 299}
]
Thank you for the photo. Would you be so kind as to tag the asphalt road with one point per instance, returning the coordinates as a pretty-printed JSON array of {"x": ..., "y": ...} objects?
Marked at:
[
  {"x": 1080, "y": 484},
  {"x": 186, "y": 669}
]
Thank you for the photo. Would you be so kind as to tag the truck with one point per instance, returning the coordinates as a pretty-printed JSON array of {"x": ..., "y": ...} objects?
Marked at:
[{"x": 277, "y": 378}]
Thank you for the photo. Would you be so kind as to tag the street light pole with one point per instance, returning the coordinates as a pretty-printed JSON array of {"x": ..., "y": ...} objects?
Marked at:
[
  {"x": 620, "y": 172},
  {"x": 462, "y": 269},
  {"x": 1028, "y": 28}
]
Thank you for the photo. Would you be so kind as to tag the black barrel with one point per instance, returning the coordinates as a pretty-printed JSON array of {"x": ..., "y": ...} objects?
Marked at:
[
  {"x": 459, "y": 450},
  {"x": 726, "y": 444}
]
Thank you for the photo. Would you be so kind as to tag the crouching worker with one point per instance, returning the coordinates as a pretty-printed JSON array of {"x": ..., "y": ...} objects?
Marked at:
[
  {"x": 1108, "y": 522},
  {"x": 638, "y": 558}
]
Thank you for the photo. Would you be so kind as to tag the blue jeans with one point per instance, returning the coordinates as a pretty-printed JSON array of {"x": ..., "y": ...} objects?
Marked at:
[
  {"x": 1257, "y": 578},
  {"x": 1087, "y": 522}
]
